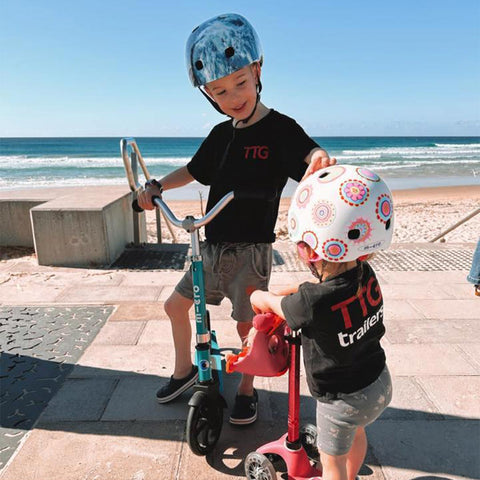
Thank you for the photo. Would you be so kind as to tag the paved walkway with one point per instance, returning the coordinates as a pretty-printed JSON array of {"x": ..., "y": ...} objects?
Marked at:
[{"x": 101, "y": 422}]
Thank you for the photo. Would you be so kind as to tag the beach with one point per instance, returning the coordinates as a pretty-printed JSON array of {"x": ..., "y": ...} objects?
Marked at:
[{"x": 420, "y": 215}]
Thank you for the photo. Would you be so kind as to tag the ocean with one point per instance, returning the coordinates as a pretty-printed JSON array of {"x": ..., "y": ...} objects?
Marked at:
[{"x": 404, "y": 162}]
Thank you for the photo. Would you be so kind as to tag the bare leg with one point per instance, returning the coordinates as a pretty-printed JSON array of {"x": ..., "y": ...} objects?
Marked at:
[
  {"x": 334, "y": 467},
  {"x": 177, "y": 307},
  {"x": 246, "y": 383},
  {"x": 356, "y": 455}
]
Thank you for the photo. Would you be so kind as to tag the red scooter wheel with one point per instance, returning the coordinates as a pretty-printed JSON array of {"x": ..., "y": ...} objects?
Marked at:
[{"x": 259, "y": 467}]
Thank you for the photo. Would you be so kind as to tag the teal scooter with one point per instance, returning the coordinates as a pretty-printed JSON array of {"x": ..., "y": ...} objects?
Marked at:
[{"x": 205, "y": 415}]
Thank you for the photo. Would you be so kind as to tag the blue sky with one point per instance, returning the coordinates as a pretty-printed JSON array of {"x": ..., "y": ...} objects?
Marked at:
[{"x": 116, "y": 68}]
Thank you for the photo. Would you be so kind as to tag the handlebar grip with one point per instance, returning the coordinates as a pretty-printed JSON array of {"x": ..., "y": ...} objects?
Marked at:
[{"x": 136, "y": 207}]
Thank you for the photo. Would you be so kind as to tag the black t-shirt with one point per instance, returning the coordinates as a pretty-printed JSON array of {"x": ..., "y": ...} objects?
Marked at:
[
  {"x": 260, "y": 159},
  {"x": 341, "y": 331}
]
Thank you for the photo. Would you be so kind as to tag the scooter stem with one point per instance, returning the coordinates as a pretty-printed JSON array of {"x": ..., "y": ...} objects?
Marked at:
[{"x": 293, "y": 436}]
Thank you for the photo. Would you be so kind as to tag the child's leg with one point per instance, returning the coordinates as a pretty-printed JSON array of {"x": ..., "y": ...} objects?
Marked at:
[
  {"x": 177, "y": 308},
  {"x": 246, "y": 383},
  {"x": 346, "y": 467},
  {"x": 334, "y": 467},
  {"x": 356, "y": 455}
]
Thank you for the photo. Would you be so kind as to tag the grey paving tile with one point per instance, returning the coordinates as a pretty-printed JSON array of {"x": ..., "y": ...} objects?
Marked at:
[
  {"x": 120, "y": 333},
  {"x": 100, "y": 450},
  {"x": 108, "y": 294},
  {"x": 434, "y": 359},
  {"x": 459, "y": 396},
  {"x": 421, "y": 278},
  {"x": 422, "y": 449},
  {"x": 472, "y": 353},
  {"x": 400, "y": 310},
  {"x": 448, "y": 309},
  {"x": 423, "y": 331},
  {"x": 79, "y": 400},
  {"x": 410, "y": 401},
  {"x": 29, "y": 294},
  {"x": 414, "y": 291}
]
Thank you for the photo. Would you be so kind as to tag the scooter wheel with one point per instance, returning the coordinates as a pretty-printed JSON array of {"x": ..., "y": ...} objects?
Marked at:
[
  {"x": 204, "y": 425},
  {"x": 259, "y": 467},
  {"x": 308, "y": 438}
]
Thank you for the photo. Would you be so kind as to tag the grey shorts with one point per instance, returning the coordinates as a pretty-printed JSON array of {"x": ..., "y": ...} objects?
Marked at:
[
  {"x": 338, "y": 419},
  {"x": 234, "y": 271}
]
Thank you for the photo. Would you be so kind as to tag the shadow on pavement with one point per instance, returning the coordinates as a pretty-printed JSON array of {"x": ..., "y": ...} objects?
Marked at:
[{"x": 401, "y": 438}]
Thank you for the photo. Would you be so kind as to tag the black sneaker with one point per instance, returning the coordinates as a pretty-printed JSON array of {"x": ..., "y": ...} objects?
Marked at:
[
  {"x": 245, "y": 409},
  {"x": 174, "y": 387}
]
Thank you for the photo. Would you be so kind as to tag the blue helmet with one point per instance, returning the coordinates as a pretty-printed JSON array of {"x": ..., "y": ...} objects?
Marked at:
[{"x": 221, "y": 46}]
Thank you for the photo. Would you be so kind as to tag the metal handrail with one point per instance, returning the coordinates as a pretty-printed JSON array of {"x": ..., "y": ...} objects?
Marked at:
[
  {"x": 130, "y": 165},
  {"x": 455, "y": 225}
]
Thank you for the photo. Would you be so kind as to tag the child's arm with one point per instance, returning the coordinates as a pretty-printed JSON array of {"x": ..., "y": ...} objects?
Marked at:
[
  {"x": 286, "y": 290},
  {"x": 179, "y": 177},
  {"x": 318, "y": 158},
  {"x": 263, "y": 302}
]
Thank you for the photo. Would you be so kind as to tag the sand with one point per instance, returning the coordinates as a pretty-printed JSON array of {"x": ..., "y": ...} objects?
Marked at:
[{"x": 420, "y": 215}]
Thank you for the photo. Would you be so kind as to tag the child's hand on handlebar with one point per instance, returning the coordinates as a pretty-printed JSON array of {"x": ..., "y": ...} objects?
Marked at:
[{"x": 145, "y": 197}]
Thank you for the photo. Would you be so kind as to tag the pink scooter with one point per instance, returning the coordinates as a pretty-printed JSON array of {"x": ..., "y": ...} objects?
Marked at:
[{"x": 297, "y": 448}]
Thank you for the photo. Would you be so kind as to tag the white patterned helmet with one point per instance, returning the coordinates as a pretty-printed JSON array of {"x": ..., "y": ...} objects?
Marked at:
[
  {"x": 342, "y": 212},
  {"x": 221, "y": 46}
]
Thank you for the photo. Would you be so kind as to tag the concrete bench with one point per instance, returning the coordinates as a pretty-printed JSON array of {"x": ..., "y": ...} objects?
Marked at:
[{"x": 81, "y": 226}]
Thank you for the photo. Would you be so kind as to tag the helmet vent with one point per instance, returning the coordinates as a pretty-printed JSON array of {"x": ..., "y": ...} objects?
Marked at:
[
  {"x": 324, "y": 174},
  {"x": 198, "y": 65},
  {"x": 229, "y": 52},
  {"x": 354, "y": 234},
  {"x": 387, "y": 224}
]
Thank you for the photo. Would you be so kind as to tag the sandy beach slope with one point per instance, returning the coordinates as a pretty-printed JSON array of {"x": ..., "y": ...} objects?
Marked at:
[{"x": 421, "y": 214}]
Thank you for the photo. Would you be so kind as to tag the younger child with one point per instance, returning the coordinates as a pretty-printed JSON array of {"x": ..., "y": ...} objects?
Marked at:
[
  {"x": 255, "y": 151},
  {"x": 338, "y": 217}
]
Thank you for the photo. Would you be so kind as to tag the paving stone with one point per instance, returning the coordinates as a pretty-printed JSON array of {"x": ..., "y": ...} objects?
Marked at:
[
  {"x": 158, "y": 278},
  {"x": 455, "y": 396},
  {"x": 422, "y": 449},
  {"x": 410, "y": 402},
  {"x": 434, "y": 359},
  {"x": 423, "y": 331},
  {"x": 126, "y": 359},
  {"x": 139, "y": 311},
  {"x": 414, "y": 291},
  {"x": 79, "y": 400},
  {"x": 448, "y": 309},
  {"x": 120, "y": 333},
  {"x": 108, "y": 295},
  {"x": 16, "y": 295},
  {"x": 472, "y": 354},
  {"x": 100, "y": 450},
  {"x": 400, "y": 310}
]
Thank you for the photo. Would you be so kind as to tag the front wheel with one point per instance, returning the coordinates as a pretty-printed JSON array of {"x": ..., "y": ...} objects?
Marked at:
[
  {"x": 259, "y": 467},
  {"x": 204, "y": 425}
]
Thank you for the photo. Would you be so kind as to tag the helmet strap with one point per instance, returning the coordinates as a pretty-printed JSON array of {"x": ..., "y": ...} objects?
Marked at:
[
  {"x": 213, "y": 103},
  {"x": 259, "y": 89},
  {"x": 219, "y": 110}
]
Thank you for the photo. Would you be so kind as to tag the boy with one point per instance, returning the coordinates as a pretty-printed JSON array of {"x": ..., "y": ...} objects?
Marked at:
[{"x": 256, "y": 151}]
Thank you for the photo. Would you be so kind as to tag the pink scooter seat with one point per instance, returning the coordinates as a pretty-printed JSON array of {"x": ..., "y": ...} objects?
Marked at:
[{"x": 266, "y": 355}]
